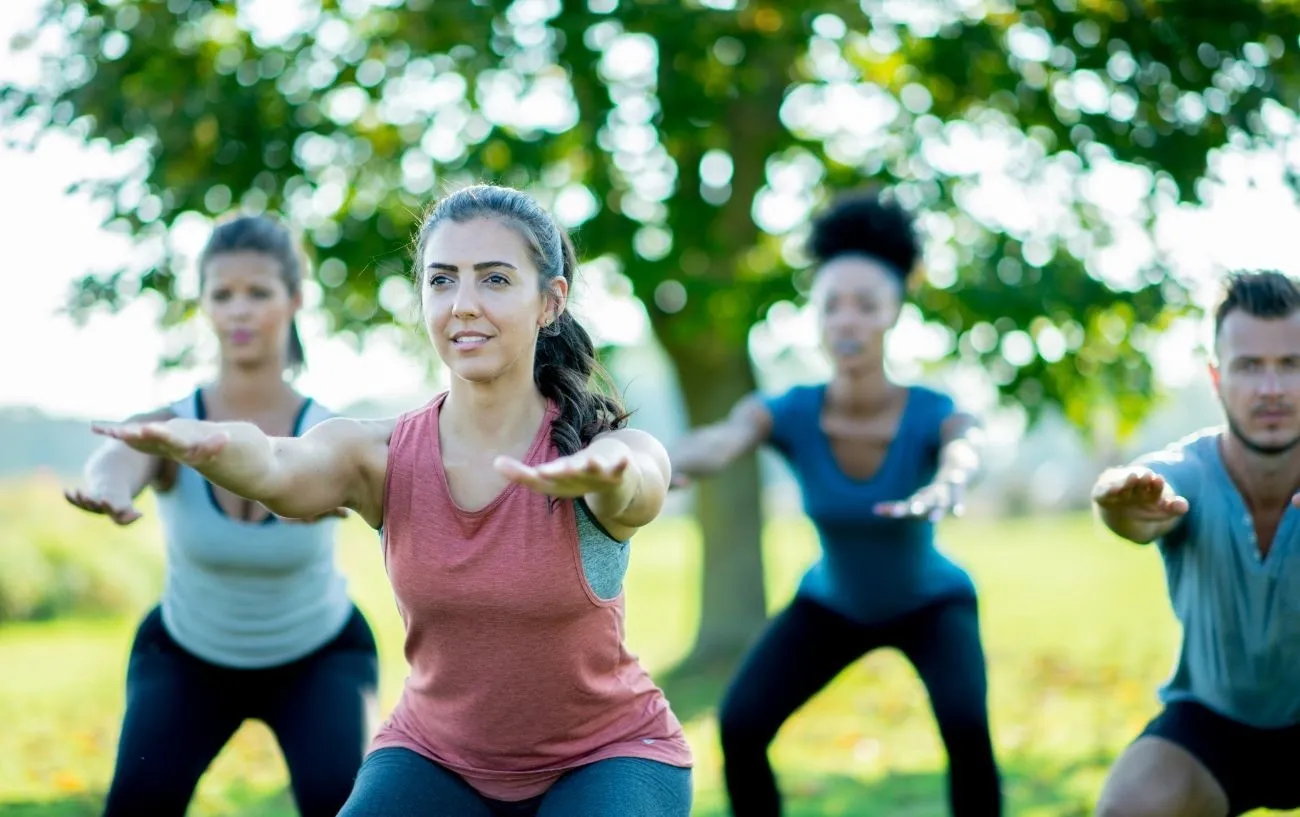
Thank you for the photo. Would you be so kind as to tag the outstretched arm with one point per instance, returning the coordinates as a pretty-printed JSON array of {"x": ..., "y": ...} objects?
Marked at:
[
  {"x": 1137, "y": 504},
  {"x": 961, "y": 438},
  {"x": 711, "y": 448},
  {"x": 337, "y": 464},
  {"x": 115, "y": 474},
  {"x": 622, "y": 476}
]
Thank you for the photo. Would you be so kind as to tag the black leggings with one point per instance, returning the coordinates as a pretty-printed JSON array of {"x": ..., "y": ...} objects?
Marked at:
[
  {"x": 181, "y": 711},
  {"x": 807, "y": 645}
]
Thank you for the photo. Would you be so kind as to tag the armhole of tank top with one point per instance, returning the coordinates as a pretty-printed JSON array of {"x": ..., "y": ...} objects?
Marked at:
[
  {"x": 580, "y": 508},
  {"x": 395, "y": 440}
]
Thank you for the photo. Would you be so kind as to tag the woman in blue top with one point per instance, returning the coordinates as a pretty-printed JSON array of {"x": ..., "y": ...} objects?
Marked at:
[
  {"x": 877, "y": 464},
  {"x": 255, "y": 619}
]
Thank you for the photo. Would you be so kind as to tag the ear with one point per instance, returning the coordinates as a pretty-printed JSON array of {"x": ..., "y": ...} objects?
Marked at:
[
  {"x": 1214, "y": 374},
  {"x": 557, "y": 298},
  {"x": 295, "y": 301}
]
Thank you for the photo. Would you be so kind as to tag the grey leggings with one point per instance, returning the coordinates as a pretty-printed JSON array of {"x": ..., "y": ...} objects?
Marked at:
[{"x": 401, "y": 783}]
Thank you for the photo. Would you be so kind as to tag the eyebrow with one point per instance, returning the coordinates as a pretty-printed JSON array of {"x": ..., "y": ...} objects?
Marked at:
[{"x": 482, "y": 265}]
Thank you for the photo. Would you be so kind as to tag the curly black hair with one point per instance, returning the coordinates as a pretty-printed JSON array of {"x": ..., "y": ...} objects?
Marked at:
[{"x": 865, "y": 223}]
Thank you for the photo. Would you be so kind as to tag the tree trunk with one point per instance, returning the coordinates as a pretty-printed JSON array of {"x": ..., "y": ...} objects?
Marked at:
[{"x": 729, "y": 508}]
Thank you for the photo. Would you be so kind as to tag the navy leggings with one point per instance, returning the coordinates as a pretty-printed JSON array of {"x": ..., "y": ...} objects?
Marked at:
[
  {"x": 400, "y": 783},
  {"x": 181, "y": 711},
  {"x": 807, "y": 645}
]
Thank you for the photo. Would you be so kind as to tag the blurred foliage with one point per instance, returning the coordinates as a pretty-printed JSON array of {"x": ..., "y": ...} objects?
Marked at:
[
  {"x": 50, "y": 567},
  {"x": 688, "y": 140}
]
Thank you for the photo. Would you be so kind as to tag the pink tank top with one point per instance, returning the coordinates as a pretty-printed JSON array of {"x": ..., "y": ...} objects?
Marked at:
[{"x": 518, "y": 670}]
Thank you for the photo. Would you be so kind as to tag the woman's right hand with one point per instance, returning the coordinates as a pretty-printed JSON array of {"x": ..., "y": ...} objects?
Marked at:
[
  {"x": 188, "y": 442},
  {"x": 116, "y": 505}
]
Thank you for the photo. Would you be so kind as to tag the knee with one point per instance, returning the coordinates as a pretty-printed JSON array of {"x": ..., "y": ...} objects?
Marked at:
[
  {"x": 965, "y": 729},
  {"x": 1131, "y": 801},
  {"x": 742, "y": 725}
]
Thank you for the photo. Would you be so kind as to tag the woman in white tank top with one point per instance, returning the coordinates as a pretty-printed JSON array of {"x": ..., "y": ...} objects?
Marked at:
[{"x": 255, "y": 620}]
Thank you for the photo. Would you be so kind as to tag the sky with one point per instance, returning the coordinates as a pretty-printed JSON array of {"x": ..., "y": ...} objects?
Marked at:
[{"x": 108, "y": 369}]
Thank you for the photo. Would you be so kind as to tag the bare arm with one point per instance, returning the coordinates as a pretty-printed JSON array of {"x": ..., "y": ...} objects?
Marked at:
[
  {"x": 339, "y": 463},
  {"x": 1137, "y": 504},
  {"x": 961, "y": 438},
  {"x": 622, "y": 476},
  {"x": 711, "y": 448},
  {"x": 115, "y": 474},
  {"x": 639, "y": 496}
]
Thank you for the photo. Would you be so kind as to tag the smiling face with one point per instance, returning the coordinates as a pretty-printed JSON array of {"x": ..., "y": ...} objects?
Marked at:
[
  {"x": 857, "y": 300},
  {"x": 249, "y": 306},
  {"x": 483, "y": 299}
]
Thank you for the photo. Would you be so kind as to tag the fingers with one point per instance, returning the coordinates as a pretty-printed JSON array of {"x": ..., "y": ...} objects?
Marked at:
[
  {"x": 585, "y": 466},
  {"x": 1138, "y": 486},
  {"x": 1177, "y": 505},
  {"x": 121, "y": 514},
  {"x": 527, "y": 476},
  {"x": 931, "y": 503}
]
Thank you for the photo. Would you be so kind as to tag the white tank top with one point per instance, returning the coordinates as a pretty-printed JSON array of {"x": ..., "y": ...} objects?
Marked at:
[{"x": 247, "y": 594}]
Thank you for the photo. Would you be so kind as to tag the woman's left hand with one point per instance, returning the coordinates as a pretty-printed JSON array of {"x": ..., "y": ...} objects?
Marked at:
[
  {"x": 576, "y": 475},
  {"x": 933, "y": 502}
]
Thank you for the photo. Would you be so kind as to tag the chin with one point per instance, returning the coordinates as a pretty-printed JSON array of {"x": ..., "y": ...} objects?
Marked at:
[
  {"x": 476, "y": 373},
  {"x": 247, "y": 359}
]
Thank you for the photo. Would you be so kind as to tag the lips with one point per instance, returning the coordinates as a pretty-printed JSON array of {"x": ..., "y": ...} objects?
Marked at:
[
  {"x": 844, "y": 347},
  {"x": 469, "y": 340},
  {"x": 241, "y": 336}
]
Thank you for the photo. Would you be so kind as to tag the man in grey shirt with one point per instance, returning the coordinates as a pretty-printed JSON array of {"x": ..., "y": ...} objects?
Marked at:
[{"x": 1222, "y": 507}]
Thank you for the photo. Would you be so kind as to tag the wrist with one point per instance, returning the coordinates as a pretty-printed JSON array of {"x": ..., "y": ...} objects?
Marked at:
[{"x": 956, "y": 475}]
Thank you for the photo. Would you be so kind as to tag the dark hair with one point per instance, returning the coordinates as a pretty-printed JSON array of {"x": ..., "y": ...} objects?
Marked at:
[
  {"x": 1259, "y": 293},
  {"x": 565, "y": 360},
  {"x": 264, "y": 235},
  {"x": 864, "y": 223}
]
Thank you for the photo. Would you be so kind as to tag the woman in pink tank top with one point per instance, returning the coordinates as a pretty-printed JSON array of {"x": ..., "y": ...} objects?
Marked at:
[{"x": 505, "y": 507}]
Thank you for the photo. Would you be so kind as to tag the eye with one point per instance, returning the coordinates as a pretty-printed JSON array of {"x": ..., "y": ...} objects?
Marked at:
[
  {"x": 439, "y": 280},
  {"x": 260, "y": 293},
  {"x": 496, "y": 279},
  {"x": 221, "y": 295}
]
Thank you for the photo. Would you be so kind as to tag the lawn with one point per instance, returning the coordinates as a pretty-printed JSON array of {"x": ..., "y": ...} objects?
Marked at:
[{"x": 1076, "y": 625}]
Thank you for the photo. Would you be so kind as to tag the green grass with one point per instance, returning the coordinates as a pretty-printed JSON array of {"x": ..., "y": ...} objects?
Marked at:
[{"x": 1076, "y": 624}]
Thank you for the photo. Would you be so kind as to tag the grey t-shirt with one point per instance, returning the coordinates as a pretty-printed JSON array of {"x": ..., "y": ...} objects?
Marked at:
[{"x": 1240, "y": 612}]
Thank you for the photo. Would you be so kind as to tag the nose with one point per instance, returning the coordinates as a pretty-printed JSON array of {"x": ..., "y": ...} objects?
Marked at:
[
  {"x": 1270, "y": 384},
  {"x": 239, "y": 307},
  {"x": 466, "y": 304}
]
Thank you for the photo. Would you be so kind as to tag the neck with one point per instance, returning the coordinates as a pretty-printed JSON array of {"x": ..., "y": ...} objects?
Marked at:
[
  {"x": 494, "y": 415},
  {"x": 862, "y": 390},
  {"x": 249, "y": 390},
  {"x": 1266, "y": 481}
]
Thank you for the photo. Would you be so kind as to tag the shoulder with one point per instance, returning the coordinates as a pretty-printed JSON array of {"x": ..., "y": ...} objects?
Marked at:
[
  {"x": 1194, "y": 450},
  {"x": 1184, "y": 462}
]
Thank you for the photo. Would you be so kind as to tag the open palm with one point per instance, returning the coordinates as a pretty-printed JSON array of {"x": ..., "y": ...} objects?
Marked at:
[
  {"x": 189, "y": 443},
  {"x": 567, "y": 477}
]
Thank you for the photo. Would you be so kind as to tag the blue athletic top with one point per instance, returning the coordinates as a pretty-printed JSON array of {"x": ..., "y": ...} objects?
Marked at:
[
  {"x": 872, "y": 568},
  {"x": 1239, "y": 611}
]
